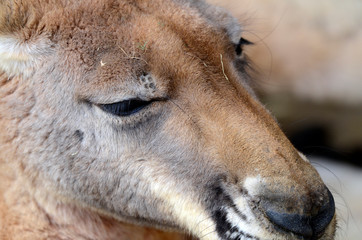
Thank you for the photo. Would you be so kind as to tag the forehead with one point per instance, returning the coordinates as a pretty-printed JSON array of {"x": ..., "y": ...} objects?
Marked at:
[
  {"x": 115, "y": 42},
  {"x": 96, "y": 27}
]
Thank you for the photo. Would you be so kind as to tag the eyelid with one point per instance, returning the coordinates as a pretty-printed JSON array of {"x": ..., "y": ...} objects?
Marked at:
[{"x": 127, "y": 107}]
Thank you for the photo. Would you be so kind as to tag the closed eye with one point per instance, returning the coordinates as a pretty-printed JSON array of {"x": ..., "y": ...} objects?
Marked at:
[{"x": 126, "y": 107}]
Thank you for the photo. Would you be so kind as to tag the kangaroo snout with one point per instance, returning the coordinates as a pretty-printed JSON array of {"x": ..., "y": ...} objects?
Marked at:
[
  {"x": 125, "y": 120},
  {"x": 313, "y": 220},
  {"x": 292, "y": 207}
]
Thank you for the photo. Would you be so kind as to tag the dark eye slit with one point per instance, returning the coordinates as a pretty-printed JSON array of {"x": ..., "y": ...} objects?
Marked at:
[{"x": 126, "y": 107}]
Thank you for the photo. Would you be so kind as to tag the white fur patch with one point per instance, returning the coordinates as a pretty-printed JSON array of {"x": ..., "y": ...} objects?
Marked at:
[
  {"x": 252, "y": 185},
  {"x": 189, "y": 212},
  {"x": 17, "y": 58}
]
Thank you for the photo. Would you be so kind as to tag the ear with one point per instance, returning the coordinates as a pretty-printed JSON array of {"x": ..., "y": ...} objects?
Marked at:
[
  {"x": 227, "y": 22},
  {"x": 21, "y": 47},
  {"x": 220, "y": 18}
]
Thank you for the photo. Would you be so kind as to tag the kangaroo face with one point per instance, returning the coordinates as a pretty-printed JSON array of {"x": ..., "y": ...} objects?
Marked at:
[{"x": 140, "y": 110}]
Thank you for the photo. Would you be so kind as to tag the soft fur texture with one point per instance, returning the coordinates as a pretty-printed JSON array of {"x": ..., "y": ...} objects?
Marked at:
[{"x": 200, "y": 160}]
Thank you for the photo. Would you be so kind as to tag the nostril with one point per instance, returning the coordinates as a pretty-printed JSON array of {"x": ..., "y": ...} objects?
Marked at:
[
  {"x": 305, "y": 225},
  {"x": 294, "y": 223},
  {"x": 324, "y": 216}
]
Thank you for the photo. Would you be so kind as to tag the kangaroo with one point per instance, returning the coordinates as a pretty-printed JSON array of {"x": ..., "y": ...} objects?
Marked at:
[{"x": 134, "y": 119}]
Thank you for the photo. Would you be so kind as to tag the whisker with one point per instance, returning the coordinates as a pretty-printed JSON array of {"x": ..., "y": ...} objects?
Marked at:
[
  {"x": 330, "y": 171},
  {"x": 197, "y": 225},
  {"x": 276, "y": 25},
  {"x": 207, "y": 234},
  {"x": 192, "y": 120},
  {"x": 342, "y": 206},
  {"x": 207, "y": 228},
  {"x": 270, "y": 54}
]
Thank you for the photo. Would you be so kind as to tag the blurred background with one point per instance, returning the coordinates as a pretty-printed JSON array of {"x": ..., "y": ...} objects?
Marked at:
[{"x": 309, "y": 56}]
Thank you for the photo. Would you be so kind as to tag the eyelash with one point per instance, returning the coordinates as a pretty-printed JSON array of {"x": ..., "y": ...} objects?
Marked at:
[
  {"x": 125, "y": 108},
  {"x": 239, "y": 46}
]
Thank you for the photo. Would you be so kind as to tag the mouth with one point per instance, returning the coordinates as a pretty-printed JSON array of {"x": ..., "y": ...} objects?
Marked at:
[
  {"x": 241, "y": 218},
  {"x": 228, "y": 230},
  {"x": 231, "y": 222}
]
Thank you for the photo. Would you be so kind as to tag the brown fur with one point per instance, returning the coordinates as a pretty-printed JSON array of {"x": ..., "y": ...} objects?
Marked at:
[{"x": 70, "y": 171}]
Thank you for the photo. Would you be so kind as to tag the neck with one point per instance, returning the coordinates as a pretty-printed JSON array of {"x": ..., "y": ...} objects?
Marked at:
[{"x": 23, "y": 217}]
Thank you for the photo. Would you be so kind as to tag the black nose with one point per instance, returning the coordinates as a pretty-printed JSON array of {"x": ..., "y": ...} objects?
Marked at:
[{"x": 306, "y": 225}]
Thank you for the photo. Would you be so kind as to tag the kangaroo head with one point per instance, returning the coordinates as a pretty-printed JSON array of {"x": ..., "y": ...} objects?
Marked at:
[{"x": 140, "y": 110}]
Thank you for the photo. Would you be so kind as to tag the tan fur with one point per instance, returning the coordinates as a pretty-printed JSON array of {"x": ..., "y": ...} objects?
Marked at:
[
  {"x": 71, "y": 171},
  {"x": 23, "y": 217}
]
